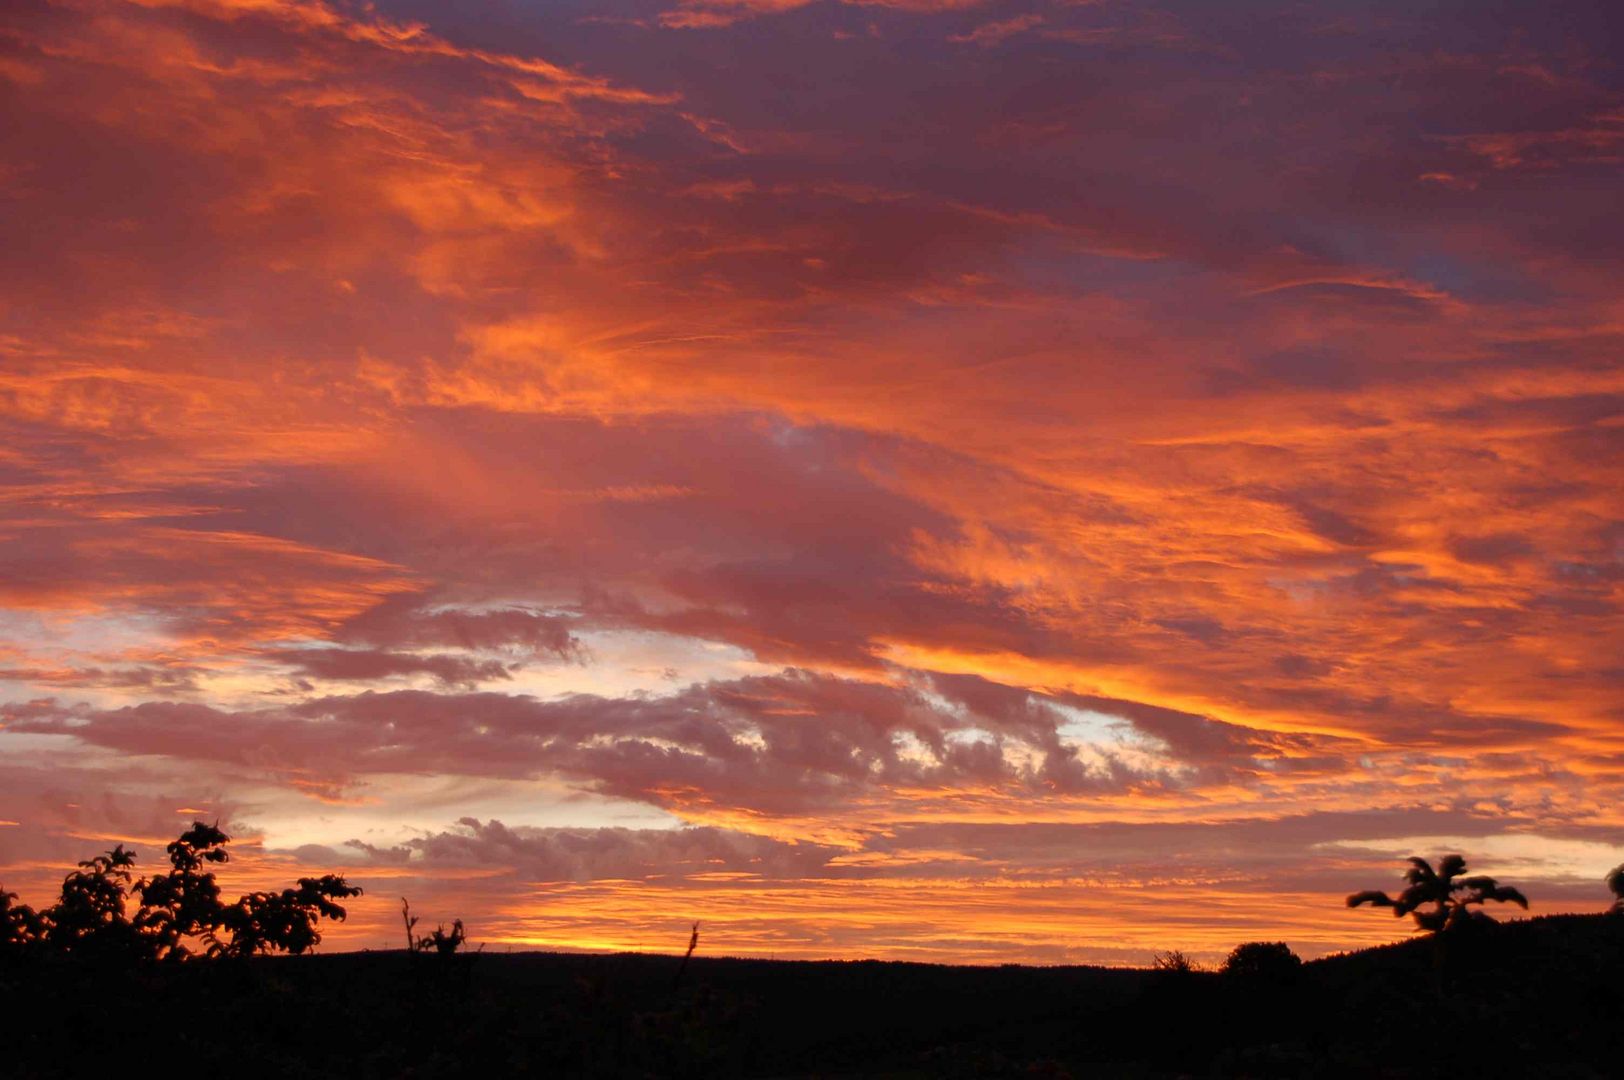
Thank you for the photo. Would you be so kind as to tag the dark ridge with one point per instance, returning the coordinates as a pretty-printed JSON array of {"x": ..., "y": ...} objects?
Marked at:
[{"x": 1538, "y": 997}]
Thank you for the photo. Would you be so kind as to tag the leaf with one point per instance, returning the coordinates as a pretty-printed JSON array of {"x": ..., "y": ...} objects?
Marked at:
[{"x": 1507, "y": 894}]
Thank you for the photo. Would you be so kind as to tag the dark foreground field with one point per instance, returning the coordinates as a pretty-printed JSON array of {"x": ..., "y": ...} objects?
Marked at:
[{"x": 1538, "y": 998}]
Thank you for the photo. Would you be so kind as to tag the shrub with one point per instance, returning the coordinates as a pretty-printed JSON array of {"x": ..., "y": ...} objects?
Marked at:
[
  {"x": 1173, "y": 962},
  {"x": 443, "y": 942},
  {"x": 21, "y": 927},
  {"x": 90, "y": 918}
]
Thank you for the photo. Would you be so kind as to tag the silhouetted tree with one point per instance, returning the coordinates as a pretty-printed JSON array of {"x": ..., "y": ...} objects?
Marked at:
[
  {"x": 22, "y": 929},
  {"x": 91, "y": 919},
  {"x": 1271, "y": 961},
  {"x": 263, "y": 922},
  {"x": 1442, "y": 899},
  {"x": 1615, "y": 882},
  {"x": 184, "y": 902}
]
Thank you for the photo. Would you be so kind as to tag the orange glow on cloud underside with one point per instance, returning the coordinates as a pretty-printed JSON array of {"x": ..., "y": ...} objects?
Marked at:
[{"x": 700, "y": 461}]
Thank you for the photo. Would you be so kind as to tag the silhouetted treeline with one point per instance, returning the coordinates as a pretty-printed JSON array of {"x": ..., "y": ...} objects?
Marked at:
[
  {"x": 1539, "y": 997},
  {"x": 1534, "y": 997}
]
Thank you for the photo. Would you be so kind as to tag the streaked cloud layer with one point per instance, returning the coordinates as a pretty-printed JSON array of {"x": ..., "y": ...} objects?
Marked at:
[{"x": 929, "y": 479}]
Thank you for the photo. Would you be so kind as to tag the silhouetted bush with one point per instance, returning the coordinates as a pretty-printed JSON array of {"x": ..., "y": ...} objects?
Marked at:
[
  {"x": 265, "y": 922},
  {"x": 91, "y": 919},
  {"x": 1265, "y": 961},
  {"x": 1615, "y": 882},
  {"x": 185, "y": 902},
  {"x": 441, "y": 942},
  {"x": 22, "y": 929},
  {"x": 1173, "y": 962}
]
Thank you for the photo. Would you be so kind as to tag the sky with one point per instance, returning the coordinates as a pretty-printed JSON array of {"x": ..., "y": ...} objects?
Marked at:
[{"x": 925, "y": 479}]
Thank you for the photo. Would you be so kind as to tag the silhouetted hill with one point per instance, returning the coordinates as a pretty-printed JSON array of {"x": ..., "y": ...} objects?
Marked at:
[{"x": 1537, "y": 997}]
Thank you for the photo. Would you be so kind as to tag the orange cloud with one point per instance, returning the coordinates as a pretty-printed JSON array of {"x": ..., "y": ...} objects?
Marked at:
[{"x": 869, "y": 457}]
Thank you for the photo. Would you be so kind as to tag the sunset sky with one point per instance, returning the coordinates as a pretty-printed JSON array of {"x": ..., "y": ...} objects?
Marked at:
[{"x": 931, "y": 479}]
